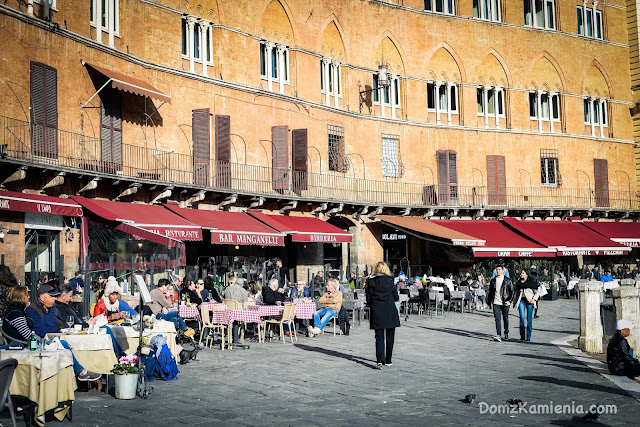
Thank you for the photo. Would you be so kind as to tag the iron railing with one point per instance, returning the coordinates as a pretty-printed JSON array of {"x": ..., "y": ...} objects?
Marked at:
[{"x": 34, "y": 143}]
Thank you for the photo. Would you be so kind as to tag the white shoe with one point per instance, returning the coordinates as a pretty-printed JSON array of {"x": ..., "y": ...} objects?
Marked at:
[
  {"x": 497, "y": 338},
  {"x": 310, "y": 330},
  {"x": 317, "y": 331}
]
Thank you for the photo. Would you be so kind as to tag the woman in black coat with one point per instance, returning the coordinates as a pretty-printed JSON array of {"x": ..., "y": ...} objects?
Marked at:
[{"x": 383, "y": 317}]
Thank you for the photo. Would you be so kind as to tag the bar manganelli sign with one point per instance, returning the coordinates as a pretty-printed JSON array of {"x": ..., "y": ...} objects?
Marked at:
[{"x": 242, "y": 238}]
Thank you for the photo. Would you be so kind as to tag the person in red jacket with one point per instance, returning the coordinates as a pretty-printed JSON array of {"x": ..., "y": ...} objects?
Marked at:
[{"x": 109, "y": 303}]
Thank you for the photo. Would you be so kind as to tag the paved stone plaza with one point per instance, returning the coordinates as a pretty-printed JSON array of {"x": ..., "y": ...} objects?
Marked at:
[{"x": 329, "y": 381}]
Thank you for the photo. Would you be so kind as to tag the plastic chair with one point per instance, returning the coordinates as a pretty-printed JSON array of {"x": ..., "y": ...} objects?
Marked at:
[
  {"x": 7, "y": 368},
  {"x": 207, "y": 325}
]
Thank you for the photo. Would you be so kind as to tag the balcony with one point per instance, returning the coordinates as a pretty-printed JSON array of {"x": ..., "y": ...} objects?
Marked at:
[{"x": 35, "y": 145}]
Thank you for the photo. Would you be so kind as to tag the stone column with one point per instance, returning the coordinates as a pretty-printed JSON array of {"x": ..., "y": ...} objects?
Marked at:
[
  {"x": 326, "y": 64},
  {"x": 448, "y": 95},
  {"x": 485, "y": 100},
  {"x": 584, "y": 17},
  {"x": 204, "y": 46},
  {"x": 438, "y": 84},
  {"x": 625, "y": 306},
  {"x": 30, "y": 7},
  {"x": 269, "y": 48},
  {"x": 590, "y": 339},
  {"x": 191, "y": 22},
  {"x": 281, "y": 50},
  {"x": 539, "y": 98},
  {"x": 392, "y": 94},
  {"x": 111, "y": 17},
  {"x": 382, "y": 94},
  {"x": 495, "y": 106},
  {"x": 336, "y": 83},
  {"x": 98, "y": 21}
]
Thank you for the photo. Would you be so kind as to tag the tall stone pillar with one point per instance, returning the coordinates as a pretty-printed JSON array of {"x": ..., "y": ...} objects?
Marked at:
[
  {"x": 591, "y": 332},
  {"x": 625, "y": 306}
]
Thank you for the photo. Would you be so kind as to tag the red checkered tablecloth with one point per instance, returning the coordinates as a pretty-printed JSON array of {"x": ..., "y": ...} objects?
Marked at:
[
  {"x": 267, "y": 310},
  {"x": 227, "y": 317},
  {"x": 215, "y": 304},
  {"x": 305, "y": 310}
]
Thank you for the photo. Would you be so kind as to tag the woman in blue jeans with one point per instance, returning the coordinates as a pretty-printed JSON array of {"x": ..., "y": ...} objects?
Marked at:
[{"x": 527, "y": 291}]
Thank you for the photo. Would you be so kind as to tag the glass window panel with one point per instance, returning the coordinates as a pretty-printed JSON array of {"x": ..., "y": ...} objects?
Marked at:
[
  {"x": 330, "y": 78},
  {"x": 386, "y": 95},
  {"x": 533, "y": 105},
  {"x": 274, "y": 63},
  {"x": 587, "y": 116},
  {"x": 390, "y": 158},
  {"x": 209, "y": 45},
  {"x": 496, "y": 10},
  {"x": 286, "y": 64},
  {"x": 396, "y": 85},
  {"x": 487, "y": 9},
  {"x": 589, "y": 23},
  {"x": 431, "y": 103},
  {"x": 596, "y": 112},
  {"x": 184, "y": 37},
  {"x": 551, "y": 22},
  {"x": 196, "y": 41},
  {"x": 442, "y": 95},
  {"x": 539, "y": 13},
  {"x": 428, "y": 5},
  {"x": 604, "y": 113},
  {"x": 263, "y": 60},
  {"x": 339, "y": 80},
  {"x": 454, "y": 98},
  {"x": 598, "y": 24},
  {"x": 321, "y": 75},
  {"x": 544, "y": 101},
  {"x": 528, "y": 18},
  {"x": 439, "y": 5},
  {"x": 480, "y": 100},
  {"x": 476, "y": 8},
  {"x": 490, "y": 104},
  {"x": 450, "y": 9},
  {"x": 555, "y": 102},
  {"x": 580, "y": 19},
  {"x": 92, "y": 14},
  {"x": 500, "y": 103},
  {"x": 375, "y": 87},
  {"x": 104, "y": 13}
]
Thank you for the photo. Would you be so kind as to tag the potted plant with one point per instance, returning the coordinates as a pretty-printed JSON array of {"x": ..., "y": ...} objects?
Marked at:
[{"x": 126, "y": 373}]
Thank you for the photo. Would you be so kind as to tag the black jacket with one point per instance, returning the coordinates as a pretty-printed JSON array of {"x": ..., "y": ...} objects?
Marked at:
[
  {"x": 619, "y": 357},
  {"x": 193, "y": 296},
  {"x": 270, "y": 297},
  {"x": 382, "y": 294},
  {"x": 506, "y": 291},
  {"x": 63, "y": 312}
]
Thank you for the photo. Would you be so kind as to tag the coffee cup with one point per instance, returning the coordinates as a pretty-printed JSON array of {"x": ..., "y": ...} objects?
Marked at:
[{"x": 77, "y": 328}]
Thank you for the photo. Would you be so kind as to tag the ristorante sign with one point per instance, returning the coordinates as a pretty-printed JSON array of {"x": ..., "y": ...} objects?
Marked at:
[
  {"x": 585, "y": 252},
  {"x": 177, "y": 233},
  {"x": 241, "y": 238}
]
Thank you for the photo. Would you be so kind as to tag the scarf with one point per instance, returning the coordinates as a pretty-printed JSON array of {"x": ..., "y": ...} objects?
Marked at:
[{"x": 111, "y": 307}]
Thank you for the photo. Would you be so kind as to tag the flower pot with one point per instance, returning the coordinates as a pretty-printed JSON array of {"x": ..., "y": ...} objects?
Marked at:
[{"x": 126, "y": 386}]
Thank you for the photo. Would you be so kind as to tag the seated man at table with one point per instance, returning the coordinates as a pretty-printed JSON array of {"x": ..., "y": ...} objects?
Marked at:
[
  {"x": 42, "y": 315},
  {"x": 236, "y": 292},
  {"x": 331, "y": 302},
  {"x": 299, "y": 292},
  {"x": 190, "y": 292},
  {"x": 620, "y": 359},
  {"x": 65, "y": 311},
  {"x": 272, "y": 294},
  {"x": 160, "y": 306},
  {"x": 209, "y": 284}
]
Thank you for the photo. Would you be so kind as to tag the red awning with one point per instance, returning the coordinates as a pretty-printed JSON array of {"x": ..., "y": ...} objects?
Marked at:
[
  {"x": 501, "y": 241},
  {"x": 423, "y": 226},
  {"x": 304, "y": 229},
  {"x": 152, "y": 218},
  {"x": 233, "y": 228},
  {"x": 568, "y": 238},
  {"x": 625, "y": 233},
  {"x": 21, "y": 202},
  {"x": 131, "y": 84}
]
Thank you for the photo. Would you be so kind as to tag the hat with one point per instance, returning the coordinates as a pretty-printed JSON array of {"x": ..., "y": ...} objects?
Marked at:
[
  {"x": 623, "y": 324},
  {"x": 533, "y": 268},
  {"x": 48, "y": 289},
  {"x": 112, "y": 286}
]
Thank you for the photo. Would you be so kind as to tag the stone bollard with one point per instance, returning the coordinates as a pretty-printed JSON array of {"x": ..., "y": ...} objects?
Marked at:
[
  {"x": 627, "y": 282},
  {"x": 590, "y": 339},
  {"x": 625, "y": 306}
]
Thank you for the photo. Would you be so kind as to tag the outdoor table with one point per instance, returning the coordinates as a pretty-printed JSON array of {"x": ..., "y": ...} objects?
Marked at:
[
  {"x": 44, "y": 377},
  {"x": 93, "y": 351},
  {"x": 462, "y": 296},
  {"x": 438, "y": 297},
  {"x": 188, "y": 312}
]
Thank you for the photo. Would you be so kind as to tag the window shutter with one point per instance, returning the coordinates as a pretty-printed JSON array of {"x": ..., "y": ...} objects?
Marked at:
[
  {"x": 51, "y": 108},
  {"x": 201, "y": 137},
  {"x": 300, "y": 167},
  {"x": 496, "y": 180},
  {"x": 111, "y": 131},
  {"x": 37, "y": 109},
  {"x": 280, "y": 157},
  {"x": 443, "y": 177},
  {"x": 453, "y": 175},
  {"x": 601, "y": 175},
  {"x": 44, "y": 110},
  {"x": 223, "y": 151}
]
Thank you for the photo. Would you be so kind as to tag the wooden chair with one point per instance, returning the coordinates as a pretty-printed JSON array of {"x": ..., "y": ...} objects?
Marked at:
[
  {"x": 235, "y": 305},
  {"x": 210, "y": 327},
  {"x": 287, "y": 318}
]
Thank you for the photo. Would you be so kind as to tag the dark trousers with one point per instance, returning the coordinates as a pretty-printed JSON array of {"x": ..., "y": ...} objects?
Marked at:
[
  {"x": 380, "y": 347},
  {"x": 501, "y": 311},
  {"x": 632, "y": 370}
]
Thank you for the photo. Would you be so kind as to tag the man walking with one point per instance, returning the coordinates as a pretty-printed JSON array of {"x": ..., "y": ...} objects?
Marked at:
[{"x": 499, "y": 298}]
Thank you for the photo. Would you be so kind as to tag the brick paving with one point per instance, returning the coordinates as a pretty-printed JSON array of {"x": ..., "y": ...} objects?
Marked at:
[{"x": 330, "y": 381}]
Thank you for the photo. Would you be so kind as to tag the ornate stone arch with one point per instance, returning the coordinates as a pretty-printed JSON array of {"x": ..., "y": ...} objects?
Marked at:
[
  {"x": 507, "y": 74},
  {"x": 586, "y": 90},
  {"x": 332, "y": 18},
  {"x": 275, "y": 35},
  {"x": 456, "y": 58},
  {"x": 400, "y": 51},
  {"x": 536, "y": 61}
]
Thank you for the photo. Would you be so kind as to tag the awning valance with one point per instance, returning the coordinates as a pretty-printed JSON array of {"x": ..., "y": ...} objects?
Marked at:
[
  {"x": 566, "y": 237},
  {"x": 501, "y": 241},
  {"x": 131, "y": 84},
  {"x": 625, "y": 233},
  {"x": 430, "y": 228},
  {"x": 21, "y": 202},
  {"x": 151, "y": 218},
  {"x": 304, "y": 229},
  {"x": 232, "y": 228}
]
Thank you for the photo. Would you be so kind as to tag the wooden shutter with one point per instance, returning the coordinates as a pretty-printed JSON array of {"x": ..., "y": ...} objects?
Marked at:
[
  {"x": 453, "y": 175},
  {"x": 300, "y": 167},
  {"x": 223, "y": 151},
  {"x": 111, "y": 130},
  {"x": 280, "y": 157},
  {"x": 496, "y": 180},
  {"x": 201, "y": 137},
  {"x": 443, "y": 177},
  {"x": 44, "y": 110},
  {"x": 601, "y": 174}
]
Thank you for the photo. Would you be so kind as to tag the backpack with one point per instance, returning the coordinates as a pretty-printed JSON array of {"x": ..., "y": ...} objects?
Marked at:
[
  {"x": 160, "y": 363},
  {"x": 343, "y": 321}
]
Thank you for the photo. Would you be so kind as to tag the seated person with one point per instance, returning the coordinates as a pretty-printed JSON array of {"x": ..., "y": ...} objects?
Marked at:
[
  {"x": 255, "y": 292},
  {"x": 39, "y": 317},
  {"x": 209, "y": 284},
  {"x": 160, "y": 306},
  {"x": 272, "y": 294},
  {"x": 77, "y": 284},
  {"x": 620, "y": 359},
  {"x": 606, "y": 277},
  {"x": 299, "y": 292},
  {"x": 331, "y": 301},
  {"x": 64, "y": 310},
  {"x": 171, "y": 294},
  {"x": 190, "y": 292},
  {"x": 109, "y": 304},
  {"x": 236, "y": 292},
  {"x": 417, "y": 282},
  {"x": 202, "y": 292}
]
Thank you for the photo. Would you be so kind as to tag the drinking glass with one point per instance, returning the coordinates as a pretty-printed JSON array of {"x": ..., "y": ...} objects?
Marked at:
[
  {"x": 70, "y": 321},
  {"x": 125, "y": 315}
]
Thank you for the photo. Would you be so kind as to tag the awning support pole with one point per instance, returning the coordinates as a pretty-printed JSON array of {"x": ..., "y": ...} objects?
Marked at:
[{"x": 94, "y": 95}]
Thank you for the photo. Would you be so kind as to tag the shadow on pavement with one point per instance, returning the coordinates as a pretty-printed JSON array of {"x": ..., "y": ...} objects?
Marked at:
[
  {"x": 364, "y": 362},
  {"x": 576, "y": 384},
  {"x": 570, "y": 368},
  {"x": 462, "y": 333},
  {"x": 546, "y": 358}
]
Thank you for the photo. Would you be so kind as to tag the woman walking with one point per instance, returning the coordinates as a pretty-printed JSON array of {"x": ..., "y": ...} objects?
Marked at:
[
  {"x": 381, "y": 297},
  {"x": 527, "y": 291}
]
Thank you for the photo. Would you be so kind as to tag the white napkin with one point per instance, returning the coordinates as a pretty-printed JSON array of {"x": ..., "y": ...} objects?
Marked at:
[
  {"x": 100, "y": 321},
  {"x": 55, "y": 344}
]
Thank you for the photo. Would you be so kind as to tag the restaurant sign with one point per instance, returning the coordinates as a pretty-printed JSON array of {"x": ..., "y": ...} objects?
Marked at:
[
  {"x": 592, "y": 252},
  {"x": 240, "y": 238},
  {"x": 177, "y": 233},
  {"x": 394, "y": 236}
]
